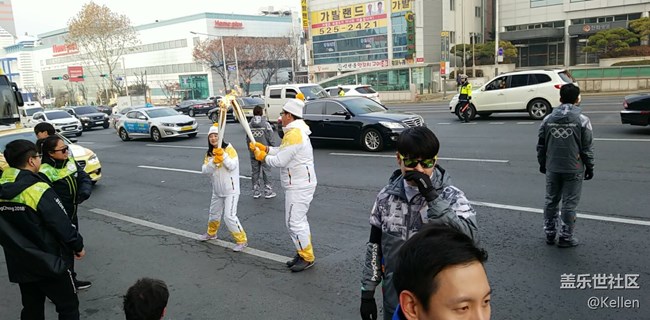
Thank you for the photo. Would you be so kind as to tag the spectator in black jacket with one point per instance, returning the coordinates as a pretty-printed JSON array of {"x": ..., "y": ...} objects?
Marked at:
[
  {"x": 37, "y": 237},
  {"x": 146, "y": 299},
  {"x": 68, "y": 179},
  {"x": 44, "y": 130}
]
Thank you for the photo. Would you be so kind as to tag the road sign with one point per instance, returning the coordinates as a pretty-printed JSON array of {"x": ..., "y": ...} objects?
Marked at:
[
  {"x": 66, "y": 77},
  {"x": 500, "y": 51}
]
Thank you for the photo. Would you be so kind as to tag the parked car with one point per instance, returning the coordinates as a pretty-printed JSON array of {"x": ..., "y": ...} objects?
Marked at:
[
  {"x": 247, "y": 104},
  {"x": 157, "y": 123},
  {"x": 105, "y": 109},
  {"x": 358, "y": 120},
  {"x": 194, "y": 107},
  {"x": 355, "y": 90},
  {"x": 114, "y": 118},
  {"x": 89, "y": 116},
  {"x": 277, "y": 95},
  {"x": 636, "y": 110},
  {"x": 532, "y": 91},
  {"x": 62, "y": 121},
  {"x": 27, "y": 111},
  {"x": 86, "y": 158}
]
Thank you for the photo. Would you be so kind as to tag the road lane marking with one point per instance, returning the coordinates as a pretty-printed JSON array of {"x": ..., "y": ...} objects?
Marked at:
[
  {"x": 594, "y": 112},
  {"x": 496, "y": 123},
  {"x": 443, "y": 123},
  {"x": 580, "y": 215},
  {"x": 170, "y": 146},
  {"x": 189, "y": 235},
  {"x": 528, "y": 122},
  {"x": 393, "y": 156},
  {"x": 629, "y": 140},
  {"x": 182, "y": 170}
]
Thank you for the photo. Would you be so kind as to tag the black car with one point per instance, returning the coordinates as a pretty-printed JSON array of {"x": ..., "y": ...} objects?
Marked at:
[
  {"x": 247, "y": 104},
  {"x": 89, "y": 116},
  {"x": 636, "y": 110},
  {"x": 358, "y": 120},
  {"x": 194, "y": 107},
  {"x": 105, "y": 109}
]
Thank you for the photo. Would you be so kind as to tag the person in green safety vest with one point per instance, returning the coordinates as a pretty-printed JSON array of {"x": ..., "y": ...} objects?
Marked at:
[
  {"x": 69, "y": 180},
  {"x": 465, "y": 96},
  {"x": 38, "y": 239}
]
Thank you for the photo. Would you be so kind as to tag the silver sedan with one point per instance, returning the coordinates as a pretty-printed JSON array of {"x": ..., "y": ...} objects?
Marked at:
[{"x": 157, "y": 123}]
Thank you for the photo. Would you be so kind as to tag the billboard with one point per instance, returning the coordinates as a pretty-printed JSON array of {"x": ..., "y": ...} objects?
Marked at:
[
  {"x": 75, "y": 73},
  {"x": 400, "y": 5},
  {"x": 363, "y": 16}
]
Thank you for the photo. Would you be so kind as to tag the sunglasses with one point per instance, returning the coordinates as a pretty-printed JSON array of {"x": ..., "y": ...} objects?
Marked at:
[
  {"x": 425, "y": 163},
  {"x": 62, "y": 150}
]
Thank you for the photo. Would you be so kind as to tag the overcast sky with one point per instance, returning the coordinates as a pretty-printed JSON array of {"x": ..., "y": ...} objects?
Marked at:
[{"x": 39, "y": 16}]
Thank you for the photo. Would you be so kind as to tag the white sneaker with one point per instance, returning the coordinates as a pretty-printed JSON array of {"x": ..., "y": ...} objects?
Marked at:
[
  {"x": 206, "y": 237},
  {"x": 270, "y": 195},
  {"x": 240, "y": 247}
]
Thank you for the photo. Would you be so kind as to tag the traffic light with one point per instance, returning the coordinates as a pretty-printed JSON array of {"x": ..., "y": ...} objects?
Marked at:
[
  {"x": 80, "y": 77},
  {"x": 103, "y": 75},
  {"x": 57, "y": 78},
  {"x": 290, "y": 76}
]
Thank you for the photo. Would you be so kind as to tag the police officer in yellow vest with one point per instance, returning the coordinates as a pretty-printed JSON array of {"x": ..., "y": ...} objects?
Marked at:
[
  {"x": 37, "y": 237},
  {"x": 464, "y": 97},
  {"x": 69, "y": 180}
]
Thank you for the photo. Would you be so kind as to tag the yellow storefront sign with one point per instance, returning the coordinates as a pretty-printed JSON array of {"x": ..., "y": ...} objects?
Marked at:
[
  {"x": 305, "y": 14},
  {"x": 400, "y": 5},
  {"x": 349, "y": 18}
]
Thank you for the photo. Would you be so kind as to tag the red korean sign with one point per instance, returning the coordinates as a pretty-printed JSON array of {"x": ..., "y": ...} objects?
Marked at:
[{"x": 76, "y": 73}]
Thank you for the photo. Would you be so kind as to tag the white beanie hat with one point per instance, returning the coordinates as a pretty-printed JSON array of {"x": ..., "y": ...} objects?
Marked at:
[
  {"x": 214, "y": 129},
  {"x": 294, "y": 106}
]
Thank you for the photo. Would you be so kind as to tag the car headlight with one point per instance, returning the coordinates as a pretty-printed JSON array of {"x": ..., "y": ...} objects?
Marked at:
[
  {"x": 93, "y": 159},
  {"x": 167, "y": 124},
  {"x": 105, "y": 116},
  {"x": 391, "y": 125},
  {"x": 85, "y": 118}
]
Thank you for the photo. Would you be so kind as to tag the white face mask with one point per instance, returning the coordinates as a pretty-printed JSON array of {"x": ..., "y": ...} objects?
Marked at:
[{"x": 257, "y": 119}]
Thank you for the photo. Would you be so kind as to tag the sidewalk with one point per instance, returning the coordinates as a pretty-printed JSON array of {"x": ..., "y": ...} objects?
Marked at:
[{"x": 438, "y": 97}]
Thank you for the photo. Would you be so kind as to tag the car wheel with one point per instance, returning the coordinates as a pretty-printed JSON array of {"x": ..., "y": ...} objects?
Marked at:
[
  {"x": 123, "y": 135},
  {"x": 78, "y": 134},
  {"x": 371, "y": 140},
  {"x": 191, "y": 113},
  {"x": 538, "y": 109},
  {"x": 192, "y": 135},
  {"x": 155, "y": 135},
  {"x": 106, "y": 125},
  {"x": 484, "y": 114},
  {"x": 214, "y": 117}
]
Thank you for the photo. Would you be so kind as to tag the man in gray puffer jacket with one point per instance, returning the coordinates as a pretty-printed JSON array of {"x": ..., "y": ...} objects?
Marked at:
[
  {"x": 419, "y": 193},
  {"x": 564, "y": 153}
]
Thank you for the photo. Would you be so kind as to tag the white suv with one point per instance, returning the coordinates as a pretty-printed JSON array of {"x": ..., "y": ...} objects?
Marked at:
[
  {"x": 532, "y": 91},
  {"x": 355, "y": 90}
]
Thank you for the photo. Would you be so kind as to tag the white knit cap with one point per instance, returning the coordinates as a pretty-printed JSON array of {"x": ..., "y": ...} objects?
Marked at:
[
  {"x": 294, "y": 106},
  {"x": 214, "y": 129}
]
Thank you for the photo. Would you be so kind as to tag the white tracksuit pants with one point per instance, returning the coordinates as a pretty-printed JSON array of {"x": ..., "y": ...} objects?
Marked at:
[
  {"x": 296, "y": 205},
  {"x": 226, "y": 207}
]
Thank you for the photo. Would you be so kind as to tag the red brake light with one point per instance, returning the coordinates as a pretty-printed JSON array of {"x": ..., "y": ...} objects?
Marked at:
[{"x": 558, "y": 86}]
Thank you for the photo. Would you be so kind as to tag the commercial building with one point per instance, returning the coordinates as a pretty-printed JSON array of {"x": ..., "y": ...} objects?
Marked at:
[
  {"x": 554, "y": 32},
  {"x": 163, "y": 56},
  {"x": 393, "y": 45}
]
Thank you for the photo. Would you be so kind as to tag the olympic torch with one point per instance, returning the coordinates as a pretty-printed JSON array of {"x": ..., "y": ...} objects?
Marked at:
[
  {"x": 223, "y": 110},
  {"x": 242, "y": 119}
]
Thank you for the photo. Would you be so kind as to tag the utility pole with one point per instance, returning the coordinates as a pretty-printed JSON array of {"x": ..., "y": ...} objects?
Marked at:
[
  {"x": 126, "y": 84},
  {"x": 496, "y": 38},
  {"x": 236, "y": 65},
  {"x": 473, "y": 40},
  {"x": 462, "y": 34},
  {"x": 225, "y": 66}
]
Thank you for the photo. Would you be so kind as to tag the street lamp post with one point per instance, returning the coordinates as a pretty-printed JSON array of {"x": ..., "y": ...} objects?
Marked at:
[
  {"x": 473, "y": 40},
  {"x": 223, "y": 55}
]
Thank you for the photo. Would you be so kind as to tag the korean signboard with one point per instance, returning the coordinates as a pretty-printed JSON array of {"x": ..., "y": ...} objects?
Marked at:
[
  {"x": 364, "y": 16},
  {"x": 75, "y": 73},
  {"x": 410, "y": 35},
  {"x": 64, "y": 49},
  {"x": 400, "y": 5},
  {"x": 305, "y": 14}
]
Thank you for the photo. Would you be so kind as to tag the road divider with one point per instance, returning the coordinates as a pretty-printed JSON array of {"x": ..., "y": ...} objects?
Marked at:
[
  {"x": 393, "y": 156},
  {"x": 189, "y": 235},
  {"x": 626, "y": 140}
]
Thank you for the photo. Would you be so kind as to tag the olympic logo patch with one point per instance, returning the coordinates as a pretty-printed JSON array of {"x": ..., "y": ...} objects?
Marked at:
[{"x": 561, "y": 133}]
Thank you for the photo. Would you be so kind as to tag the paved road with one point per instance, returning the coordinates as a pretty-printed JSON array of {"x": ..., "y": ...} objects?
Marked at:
[{"x": 151, "y": 202}]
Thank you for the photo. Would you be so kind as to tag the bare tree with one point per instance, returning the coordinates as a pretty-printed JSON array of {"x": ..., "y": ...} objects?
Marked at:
[
  {"x": 83, "y": 91},
  {"x": 210, "y": 54},
  {"x": 139, "y": 86},
  {"x": 249, "y": 54},
  {"x": 275, "y": 54},
  {"x": 169, "y": 89},
  {"x": 104, "y": 37}
]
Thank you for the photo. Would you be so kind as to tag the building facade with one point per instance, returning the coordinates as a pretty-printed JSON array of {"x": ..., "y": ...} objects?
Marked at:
[
  {"x": 353, "y": 35},
  {"x": 554, "y": 32},
  {"x": 163, "y": 56}
]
